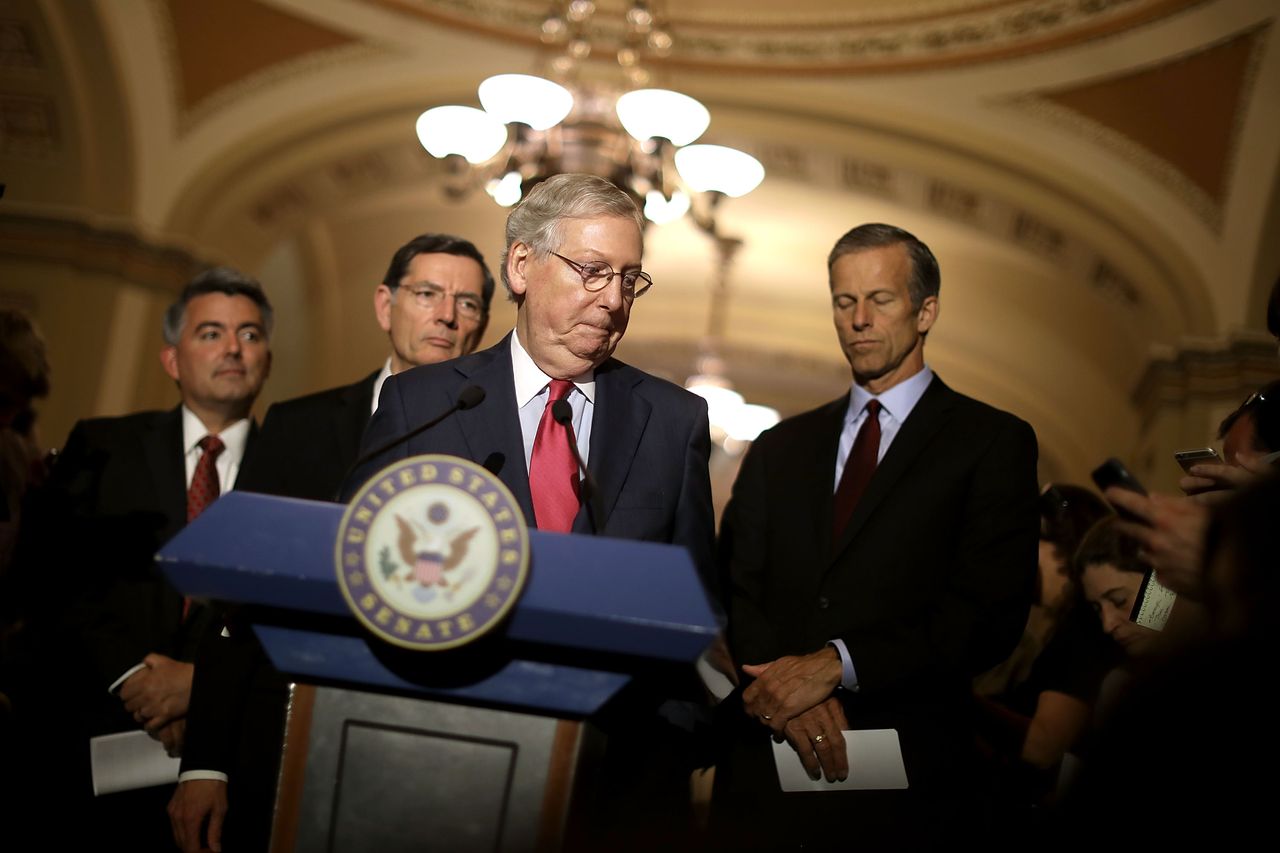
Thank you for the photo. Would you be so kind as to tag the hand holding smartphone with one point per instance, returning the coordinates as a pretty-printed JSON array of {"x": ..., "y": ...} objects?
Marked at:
[
  {"x": 1187, "y": 458},
  {"x": 1154, "y": 602},
  {"x": 1113, "y": 473}
]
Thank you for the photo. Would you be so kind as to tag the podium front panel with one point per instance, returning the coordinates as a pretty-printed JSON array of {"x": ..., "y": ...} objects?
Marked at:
[{"x": 389, "y": 773}]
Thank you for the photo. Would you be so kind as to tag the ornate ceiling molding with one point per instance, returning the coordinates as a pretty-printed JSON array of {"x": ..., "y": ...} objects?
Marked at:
[
  {"x": 831, "y": 37},
  {"x": 113, "y": 252},
  {"x": 1221, "y": 371},
  {"x": 29, "y": 126}
]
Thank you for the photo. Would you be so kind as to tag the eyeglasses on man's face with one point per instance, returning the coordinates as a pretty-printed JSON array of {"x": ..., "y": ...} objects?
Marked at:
[
  {"x": 596, "y": 276},
  {"x": 467, "y": 305}
]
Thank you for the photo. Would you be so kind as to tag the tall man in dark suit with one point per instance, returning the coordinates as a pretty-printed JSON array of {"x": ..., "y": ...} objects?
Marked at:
[
  {"x": 881, "y": 551},
  {"x": 572, "y": 265},
  {"x": 120, "y": 489},
  {"x": 433, "y": 303}
]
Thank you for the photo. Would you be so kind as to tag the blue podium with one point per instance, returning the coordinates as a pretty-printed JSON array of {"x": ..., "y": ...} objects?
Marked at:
[{"x": 480, "y": 745}]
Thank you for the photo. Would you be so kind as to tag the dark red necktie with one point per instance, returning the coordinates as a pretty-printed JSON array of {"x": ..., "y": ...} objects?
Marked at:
[
  {"x": 204, "y": 488},
  {"x": 857, "y": 469},
  {"x": 553, "y": 471}
]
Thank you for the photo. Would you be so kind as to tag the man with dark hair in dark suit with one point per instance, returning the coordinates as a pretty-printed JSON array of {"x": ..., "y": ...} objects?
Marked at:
[
  {"x": 119, "y": 490},
  {"x": 881, "y": 551},
  {"x": 433, "y": 303}
]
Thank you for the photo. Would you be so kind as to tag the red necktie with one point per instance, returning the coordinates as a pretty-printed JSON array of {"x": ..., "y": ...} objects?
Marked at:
[
  {"x": 204, "y": 488},
  {"x": 553, "y": 472},
  {"x": 857, "y": 469}
]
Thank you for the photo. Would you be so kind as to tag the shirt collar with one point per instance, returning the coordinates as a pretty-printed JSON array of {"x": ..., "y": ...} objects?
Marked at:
[
  {"x": 530, "y": 380},
  {"x": 233, "y": 437},
  {"x": 898, "y": 401},
  {"x": 377, "y": 384}
]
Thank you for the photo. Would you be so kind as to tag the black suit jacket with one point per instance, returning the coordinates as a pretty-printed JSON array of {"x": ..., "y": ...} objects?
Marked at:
[
  {"x": 307, "y": 444},
  {"x": 236, "y": 719},
  {"x": 928, "y": 586},
  {"x": 649, "y": 444},
  {"x": 117, "y": 493}
]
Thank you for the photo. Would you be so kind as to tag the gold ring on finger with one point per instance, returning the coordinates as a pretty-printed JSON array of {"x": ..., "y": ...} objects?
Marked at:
[{"x": 819, "y": 739}]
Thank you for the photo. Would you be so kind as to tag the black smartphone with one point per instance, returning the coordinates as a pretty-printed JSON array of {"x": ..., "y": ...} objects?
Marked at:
[{"x": 1113, "y": 473}]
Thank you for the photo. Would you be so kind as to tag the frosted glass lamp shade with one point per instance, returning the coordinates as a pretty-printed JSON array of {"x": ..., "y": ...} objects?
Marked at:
[
  {"x": 468, "y": 131},
  {"x": 531, "y": 100},
  {"x": 749, "y": 420},
  {"x": 652, "y": 113},
  {"x": 715, "y": 168},
  {"x": 660, "y": 211}
]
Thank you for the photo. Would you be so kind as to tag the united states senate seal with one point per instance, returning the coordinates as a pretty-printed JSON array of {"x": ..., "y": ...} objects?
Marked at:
[{"x": 432, "y": 552}]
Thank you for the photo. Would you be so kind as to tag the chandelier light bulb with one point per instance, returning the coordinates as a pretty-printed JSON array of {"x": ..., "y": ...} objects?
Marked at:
[
  {"x": 658, "y": 209},
  {"x": 524, "y": 98},
  {"x": 716, "y": 168},
  {"x": 747, "y": 421},
  {"x": 580, "y": 10},
  {"x": 467, "y": 131},
  {"x": 652, "y": 113},
  {"x": 506, "y": 191},
  {"x": 639, "y": 18},
  {"x": 723, "y": 403},
  {"x": 553, "y": 29},
  {"x": 660, "y": 42}
]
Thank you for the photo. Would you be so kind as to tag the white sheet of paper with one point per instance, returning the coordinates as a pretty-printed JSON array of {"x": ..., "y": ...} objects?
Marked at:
[
  {"x": 128, "y": 760},
  {"x": 713, "y": 679},
  {"x": 875, "y": 763}
]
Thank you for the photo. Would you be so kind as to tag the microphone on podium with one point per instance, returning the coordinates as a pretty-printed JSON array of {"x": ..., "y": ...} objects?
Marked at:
[{"x": 468, "y": 398}]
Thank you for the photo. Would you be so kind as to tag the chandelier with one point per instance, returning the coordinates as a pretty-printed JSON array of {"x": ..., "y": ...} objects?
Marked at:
[{"x": 640, "y": 138}]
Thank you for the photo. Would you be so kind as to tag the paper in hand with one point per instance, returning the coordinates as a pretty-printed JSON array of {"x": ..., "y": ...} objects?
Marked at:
[{"x": 875, "y": 763}]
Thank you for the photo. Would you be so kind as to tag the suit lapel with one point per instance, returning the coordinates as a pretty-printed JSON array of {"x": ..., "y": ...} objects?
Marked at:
[
  {"x": 820, "y": 464},
  {"x": 921, "y": 425},
  {"x": 162, "y": 448},
  {"x": 617, "y": 424},
  {"x": 495, "y": 440},
  {"x": 353, "y": 417}
]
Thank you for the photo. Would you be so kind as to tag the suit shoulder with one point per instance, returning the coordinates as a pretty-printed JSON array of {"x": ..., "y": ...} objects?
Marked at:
[
  {"x": 985, "y": 414},
  {"x": 659, "y": 391},
  {"x": 112, "y": 428},
  {"x": 807, "y": 423},
  {"x": 319, "y": 401}
]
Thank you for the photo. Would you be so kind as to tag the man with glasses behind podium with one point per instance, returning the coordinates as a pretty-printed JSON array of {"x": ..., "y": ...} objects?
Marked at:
[{"x": 572, "y": 266}]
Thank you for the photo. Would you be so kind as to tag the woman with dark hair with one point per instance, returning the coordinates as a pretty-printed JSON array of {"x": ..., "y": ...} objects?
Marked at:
[
  {"x": 1189, "y": 746},
  {"x": 1109, "y": 571}
]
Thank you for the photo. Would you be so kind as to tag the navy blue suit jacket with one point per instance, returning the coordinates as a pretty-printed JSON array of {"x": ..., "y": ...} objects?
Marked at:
[{"x": 650, "y": 444}]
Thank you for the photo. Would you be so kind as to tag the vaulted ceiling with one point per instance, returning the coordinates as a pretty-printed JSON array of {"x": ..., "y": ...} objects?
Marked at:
[{"x": 1097, "y": 177}]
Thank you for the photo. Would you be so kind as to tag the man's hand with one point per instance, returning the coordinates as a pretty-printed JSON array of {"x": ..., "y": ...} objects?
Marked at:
[
  {"x": 1172, "y": 539},
  {"x": 817, "y": 737},
  {"x": 172, "y": 736},
  {"x": 789, "y": 686},
  {"x": 194, "y": 803},
  {"x": 158, "y": 694},
  {"x": 1212, "y": 482}
]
